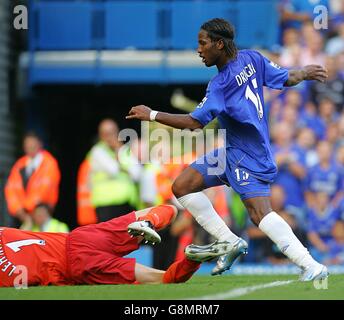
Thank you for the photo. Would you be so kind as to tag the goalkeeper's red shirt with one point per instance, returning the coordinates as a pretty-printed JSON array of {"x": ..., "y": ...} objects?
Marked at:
[
  {"x": 42, "y": 256},
  {"x": 92, "y": 254}
]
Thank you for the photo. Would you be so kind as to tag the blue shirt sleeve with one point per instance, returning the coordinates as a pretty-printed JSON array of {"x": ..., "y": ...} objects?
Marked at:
[
  {"x": 212, "y": 104},
  {"x": 274, "y": 75}
]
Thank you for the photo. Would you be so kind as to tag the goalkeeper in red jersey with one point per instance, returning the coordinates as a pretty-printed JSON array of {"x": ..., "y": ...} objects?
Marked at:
[{"x": 94, "y": 254}]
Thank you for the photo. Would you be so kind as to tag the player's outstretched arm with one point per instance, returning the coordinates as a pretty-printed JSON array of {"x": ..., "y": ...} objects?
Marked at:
[
  {"x": 179, "y": 121},
  {"x": 310, "y": 72}
]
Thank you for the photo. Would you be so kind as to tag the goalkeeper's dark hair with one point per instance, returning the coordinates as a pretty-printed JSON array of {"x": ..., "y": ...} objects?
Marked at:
[{"x": 220, "y": 29}]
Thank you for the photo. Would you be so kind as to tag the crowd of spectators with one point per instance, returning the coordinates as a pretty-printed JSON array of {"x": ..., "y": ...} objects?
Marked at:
[{"x": 307, "y": 135}]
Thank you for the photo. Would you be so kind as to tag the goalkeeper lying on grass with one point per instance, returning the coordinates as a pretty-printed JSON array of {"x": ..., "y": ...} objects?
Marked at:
[{"x": 94, "y": 254}]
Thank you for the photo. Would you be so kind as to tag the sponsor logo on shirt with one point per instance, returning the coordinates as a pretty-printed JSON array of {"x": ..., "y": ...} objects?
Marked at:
[
  {"x": 202, "y": 103},
  {"x": 275, "y": 65}
]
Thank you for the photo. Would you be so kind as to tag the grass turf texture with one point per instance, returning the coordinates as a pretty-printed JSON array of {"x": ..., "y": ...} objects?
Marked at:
[{"x": 194, "y": 288}]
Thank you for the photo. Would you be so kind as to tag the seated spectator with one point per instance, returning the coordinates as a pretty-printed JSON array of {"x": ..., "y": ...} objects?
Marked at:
[
  {"x": 341, "y": 130},
  {"x": 307, "y": 32},
  {"x": 337, "y": 16},
  {"x": 293, "y": 98},
  {"x": 309, "y": 118},
  {"x": 290, "y": 116},
  {"x": 336, "y": 44},
  {"x": 327, "y": 111},
  {"x": 332, "y": 88},
  {"x": 34, "y": 179},
  {"x": 336, "y": 245},
  {"x": 340, "y": 64},
  {"x": 305, "y": 139},
  {"x": 290, "y": 160},
  {"x": 291, "y": 37},
  {"x": 341, "y": 209},
  {"x": 332, "y": 133},
  {"x": 290, "y": 55},
  {"x": 340, "y": 158},
  {"x": 324, "y": 177},
  {"x": 321, "y": 219},
  {"x": 44, "y": 222},
  {"x": 312, "y": 53},
  {"x": 290, "y": 111}
]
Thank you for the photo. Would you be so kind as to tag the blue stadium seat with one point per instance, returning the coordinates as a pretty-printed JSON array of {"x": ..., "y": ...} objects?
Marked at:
[
  {"x": 257, "y": 23},
  {"x": 187, "y": 17},
  {"x": 131, "y": 24},
  {"x": 64, "y": 26}
]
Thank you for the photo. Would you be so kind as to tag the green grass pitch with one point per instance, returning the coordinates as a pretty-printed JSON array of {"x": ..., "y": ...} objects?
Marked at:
[{"x": 195, "y": 288}]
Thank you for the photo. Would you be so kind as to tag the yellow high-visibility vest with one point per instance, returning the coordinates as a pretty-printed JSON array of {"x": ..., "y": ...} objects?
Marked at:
[
  {"x": 108, "y": 190},
  {"x": 54, "y": 225}
]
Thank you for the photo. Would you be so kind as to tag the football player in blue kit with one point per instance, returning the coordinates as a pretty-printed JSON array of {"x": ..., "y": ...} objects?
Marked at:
[{"x": 235, "y": 97}]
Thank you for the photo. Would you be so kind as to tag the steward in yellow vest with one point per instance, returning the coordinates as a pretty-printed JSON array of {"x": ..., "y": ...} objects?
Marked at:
[
  {"x": 113, "y": 173},
  {"x": 42, "y": 221}
]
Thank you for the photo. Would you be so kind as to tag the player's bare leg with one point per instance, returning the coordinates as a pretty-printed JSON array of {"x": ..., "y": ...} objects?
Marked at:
[
  {"x": 278, "y": 230},
  {"x": 189, "y": 181},
  {"x": 179, "y": 271},
  {"x": 187, "y": 189},
  {"x": 147, "y": 275}
]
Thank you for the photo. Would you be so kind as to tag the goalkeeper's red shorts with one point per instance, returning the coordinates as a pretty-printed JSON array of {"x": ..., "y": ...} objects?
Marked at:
[{"x": 95, "y": 252}]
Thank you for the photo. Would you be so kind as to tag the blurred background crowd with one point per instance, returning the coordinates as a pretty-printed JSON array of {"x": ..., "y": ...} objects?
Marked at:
[{"x": 307, "y": 136}]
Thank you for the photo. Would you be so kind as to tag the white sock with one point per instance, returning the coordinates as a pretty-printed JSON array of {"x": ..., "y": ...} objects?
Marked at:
[
  {"x": 279, "y": 231},
  {"x": 199, "y": 205}
]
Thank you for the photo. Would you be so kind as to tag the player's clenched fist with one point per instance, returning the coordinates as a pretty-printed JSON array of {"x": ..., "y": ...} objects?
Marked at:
[{"x": 140, "y": 112}]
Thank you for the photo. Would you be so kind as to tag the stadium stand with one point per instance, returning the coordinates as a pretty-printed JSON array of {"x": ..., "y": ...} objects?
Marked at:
[
  {"x": 104, "y": 41},
  {"x": 7, "y": 141}
]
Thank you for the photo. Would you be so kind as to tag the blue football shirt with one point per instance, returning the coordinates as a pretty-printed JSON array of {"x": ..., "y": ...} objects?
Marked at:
[
  {"x": 323, "y": 223},
  {"x": 235, "y": 97},
  {"x": 327, "y": 180},
  {"x": 287, "y": 180}
]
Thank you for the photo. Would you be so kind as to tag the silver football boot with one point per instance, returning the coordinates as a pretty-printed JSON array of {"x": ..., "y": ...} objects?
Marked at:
[
  {"x": 225, "y": 262},
  {"x": 146, "y": 230},
  {"x": 315, "y": 272},
  {"x": 207, "y": 252}
]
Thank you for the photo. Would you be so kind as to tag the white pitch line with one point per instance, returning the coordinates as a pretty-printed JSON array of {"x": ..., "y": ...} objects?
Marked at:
[{"x": 241, "y": 291}]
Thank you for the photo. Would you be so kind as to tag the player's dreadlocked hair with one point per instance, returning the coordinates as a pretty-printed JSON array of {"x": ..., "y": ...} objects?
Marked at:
[{"x": 221, "y": 29}]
